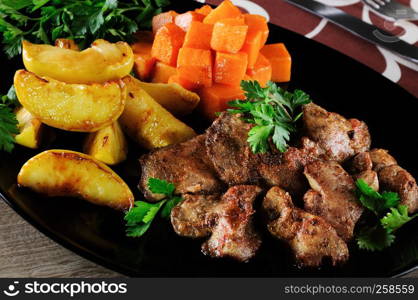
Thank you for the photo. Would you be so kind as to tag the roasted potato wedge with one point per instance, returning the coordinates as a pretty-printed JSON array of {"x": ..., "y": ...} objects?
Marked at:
[
  {"x": 74, "y": 174},
  {"x": 30, "y": 129},
  {"x": 107, "y": 145},
  {"x": 66, "y": 44},
  {"x": 147, "y": 122},
  {"x": 72, "y": 107},
  {"x": 172, "y": 97},
  {"x": 102, "y": 62}
]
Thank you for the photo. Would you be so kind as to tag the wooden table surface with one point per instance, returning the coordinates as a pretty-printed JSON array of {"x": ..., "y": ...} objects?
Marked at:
[{"x": 25, "y": 252}]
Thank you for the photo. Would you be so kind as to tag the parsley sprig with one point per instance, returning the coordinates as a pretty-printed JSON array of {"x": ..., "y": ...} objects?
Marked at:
[
  {"x": 43, "y": 21},
  {"x": 140, "y": 217},
  {"x": 272, "y": 110},
  {"x": 388, "y": 216},
  {"x": 8, "y": 122}
]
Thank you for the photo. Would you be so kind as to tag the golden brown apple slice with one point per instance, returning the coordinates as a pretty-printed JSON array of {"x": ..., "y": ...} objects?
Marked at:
[
  {"x": 74, "y": 174},
  {"x": 66, "y": 44},
  {"x": 147, "y": 122},
  {"x": 107, "y": 145},
  {"x": 72, "y": 107},
  {"x": 172, "y": 97},
  {"x": 102, "y": 62},
  {"x": 30, "y": 129}
]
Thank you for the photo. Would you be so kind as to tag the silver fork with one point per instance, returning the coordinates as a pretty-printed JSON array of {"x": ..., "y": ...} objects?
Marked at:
[{"x": 392, "y": 9}]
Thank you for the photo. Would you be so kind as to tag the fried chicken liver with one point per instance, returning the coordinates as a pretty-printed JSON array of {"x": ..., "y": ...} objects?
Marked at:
[
  {"x": 185, "y": 164},
  {"x": 227, "y": 219},
  {"x": 334, "y": 198},
  {"x": 340, "y": 138},
  {"x": 311, "y": 237}
]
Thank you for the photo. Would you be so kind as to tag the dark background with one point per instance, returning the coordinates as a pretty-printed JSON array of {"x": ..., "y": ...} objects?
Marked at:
[{"x": 334, "y": 81}]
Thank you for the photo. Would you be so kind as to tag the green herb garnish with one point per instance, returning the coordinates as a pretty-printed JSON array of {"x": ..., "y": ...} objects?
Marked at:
[
  {"x": 272, "y": 110},
  {"x": 43, "y": 21},
  {"x": 8, "y": 122},
  {"x": 8, "y": 128},
  {"x": 374, "y": 201},
  {"x": 388, "y": 216},
  {"x": 139, "y": 218}
]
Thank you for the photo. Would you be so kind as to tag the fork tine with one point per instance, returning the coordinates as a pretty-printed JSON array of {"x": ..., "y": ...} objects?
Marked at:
[
  {"x": 392, "y": 9},
  {"x": 373, "y": 4},
  {"x": 380, "y": 2}
]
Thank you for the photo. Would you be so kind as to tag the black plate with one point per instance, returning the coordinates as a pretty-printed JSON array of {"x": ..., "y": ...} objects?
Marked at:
[{"x": 334, "y": 81}]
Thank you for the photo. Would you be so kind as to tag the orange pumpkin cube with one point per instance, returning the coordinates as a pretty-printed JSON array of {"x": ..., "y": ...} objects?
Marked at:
[
  {"x": 144, "y": 64},
  {"x": 188, "y": 85},
  {"x": 167, "y": 43},
  {"x": 252, "y": 46},
  {"x": 204, "y": 10},
  {"x": 230, "y": 68},
  {"x": 224, "y": 11},
  {"x": 160, "y": 20},
  {"x": 195, "y": 65},
  {"x": 258, "y": 23},
  {"x": 262, "y": 71},
  {"x": 229, "y": 35},
  {"x": 185, "y": 20},
  {"x": 215, "y": 98},
  {"x": 198, "y": 36},
  {"x": 280, "y": 60},
  {"x": 162, "y": 73}
]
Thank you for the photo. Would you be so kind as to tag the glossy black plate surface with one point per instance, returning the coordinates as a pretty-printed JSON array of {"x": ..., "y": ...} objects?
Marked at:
[{"x": 333, "y": 80}]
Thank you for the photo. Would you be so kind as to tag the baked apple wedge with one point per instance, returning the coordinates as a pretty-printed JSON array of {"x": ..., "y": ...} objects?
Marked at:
[
  {"x": 74, "y": 174},
  {"x": 102, "y": 62},
  {"x": 72, "y": 107},
  {"x": 30, "y": 129},
  {"x": 108, "y": 145}
]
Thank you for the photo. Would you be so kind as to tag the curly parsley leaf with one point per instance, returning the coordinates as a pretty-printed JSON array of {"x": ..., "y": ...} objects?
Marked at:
[
  {"x": 43, "y": 21},
  {"x": 374, "y": 201},
  {"x": 158, "y": 186},
  {"x": 8, "y": 128},
  {"x": 272, "y": 110},
  {"x": 388, "y": 216},
  {"x": 396, "y": 218},
  {"x": 10, "y": 99},
  {"x": 139, "y": 218},
  {"x": 166, "y": 211},
  {"x": 375, "y": 238}
]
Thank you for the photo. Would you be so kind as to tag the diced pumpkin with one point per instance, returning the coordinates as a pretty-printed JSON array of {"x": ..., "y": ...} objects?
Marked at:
[
  {"x": 280, "y": 60},
  {"x": 185, "y": 20},
  {"x": 167, "y": 43},
  {"x": 204, "y": 10},
  {"x": 195, "y": 65},
  {"x": 141, "y": 47},
  {"x": 198, "y": 36},
  {"x": 230, "y": 68},
  {"x": 229, "y": 35},
  {"x": 162, "y": 73},
  {"x": 257, "y": 35},
  {"x": 261, "y": 72},
  {"x": 144, "y": 62},
  {"x": 144, "y": 65},
  {"x": 187, "y": 84},
  {"x": 224, "y": 11},
  {"x": 215, "y": 98},
  {"x": 258, "y": 23},
  {"x": 160, "y": 20},
  {"x": 252, "y": 47}
]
